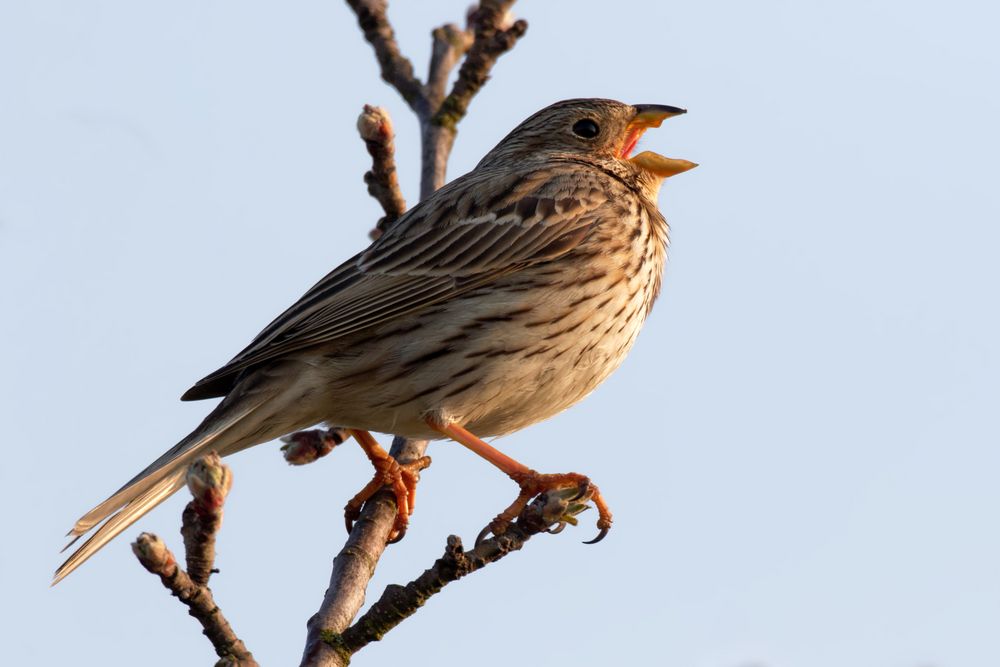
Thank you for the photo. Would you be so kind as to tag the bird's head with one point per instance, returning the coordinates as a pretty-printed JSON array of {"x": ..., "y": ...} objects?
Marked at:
[{"x": 603, "y": 132}]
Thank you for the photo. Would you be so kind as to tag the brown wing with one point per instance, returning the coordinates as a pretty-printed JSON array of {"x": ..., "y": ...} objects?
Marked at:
[{"x": 456, "y": 240}]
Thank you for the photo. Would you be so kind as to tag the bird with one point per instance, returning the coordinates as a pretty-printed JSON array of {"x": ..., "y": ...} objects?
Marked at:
[{"x": 500, "y": 300}]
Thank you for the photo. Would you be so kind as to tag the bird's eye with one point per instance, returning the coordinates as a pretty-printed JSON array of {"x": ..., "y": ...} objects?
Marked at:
[{"x": 586, "y": 128}]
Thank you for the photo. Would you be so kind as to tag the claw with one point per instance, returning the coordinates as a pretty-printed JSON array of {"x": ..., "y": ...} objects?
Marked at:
[
  {"x": 558, "y": 529},
  {"x": 584, "y": 489},
  {"x": 400, "y": 478},
  {"x": 600, "y": 536},
  {"x": 352, "y": 510},
  {"x": 481, "y": 537}
]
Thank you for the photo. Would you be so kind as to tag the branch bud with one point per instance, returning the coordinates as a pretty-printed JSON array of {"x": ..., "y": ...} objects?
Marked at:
[
  {"x": 374, "y": 124},
  {"x": 154, "y": 555},
  {"x": 209, "y": 481},
  {"x": 304, "y": 447}
]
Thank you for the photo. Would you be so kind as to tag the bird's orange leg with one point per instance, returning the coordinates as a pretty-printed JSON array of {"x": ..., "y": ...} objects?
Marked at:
[
  {"x": 401, "y": 477},
  {"x": 532, "y": 483}
]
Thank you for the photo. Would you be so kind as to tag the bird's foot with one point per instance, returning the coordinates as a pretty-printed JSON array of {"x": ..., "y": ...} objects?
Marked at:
[
  {"x": 534, "y": 484},
  {"x": 401, "y": 478}
]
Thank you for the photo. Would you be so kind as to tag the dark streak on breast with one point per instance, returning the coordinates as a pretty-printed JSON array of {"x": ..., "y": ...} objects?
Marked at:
[
  {"x": 596, "y": 275},
  {"x": 465, "y": 371},
  {"x": 583, "y": 299},
  {"x": 504, "y": 351},
  {"x": 460, "y": 336},
  {"x": 429, "y": 390},
  {"x": 430, "y": 356},
  {"x": 563, "y": 331},
  {"x": 554, "y": 320},
  {"x": 459, "y": 390},
  {"x": 540, "y": 350}
]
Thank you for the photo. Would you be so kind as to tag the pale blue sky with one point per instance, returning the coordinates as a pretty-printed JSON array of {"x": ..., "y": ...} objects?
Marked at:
[{"x": 801, "y": 451}]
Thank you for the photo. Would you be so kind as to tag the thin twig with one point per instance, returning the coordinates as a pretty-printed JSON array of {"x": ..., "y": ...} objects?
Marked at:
[
  {"x": 209, "y": 481},
  {"x": 400, "y": 602},
  {"x": 157, "y": 558},
  {"x": 375, "y": 128},
  {"x": 397, "y": 70},
  {"x": 353, "y": 568},
  {"x": 494, "y": 35},
  {"x": 449, "y": 44}
]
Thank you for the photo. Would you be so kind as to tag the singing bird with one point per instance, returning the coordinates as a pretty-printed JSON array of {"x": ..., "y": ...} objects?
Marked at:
[{"x": 500, "y": 300}]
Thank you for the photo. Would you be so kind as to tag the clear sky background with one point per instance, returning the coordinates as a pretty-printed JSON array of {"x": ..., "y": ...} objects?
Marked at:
[{"x": 801, "y": 451}]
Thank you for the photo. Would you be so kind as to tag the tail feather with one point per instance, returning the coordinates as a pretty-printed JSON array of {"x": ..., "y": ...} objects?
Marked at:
[
  {"x": 162, "y": 478},
  {"x": 131, "y": 513},
  {"x": 194, "y": 445}
]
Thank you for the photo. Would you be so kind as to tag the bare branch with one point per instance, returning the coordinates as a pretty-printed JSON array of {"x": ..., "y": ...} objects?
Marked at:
[
  {"x": 209, "y": 480},
  {"x": 400, "y": 602},
  {"x": 397, "y": 70},
  {"x": 353, "y": 568},
  {"x": 375, "y": 128},
  {"x": 449, "y": 44},
  {"x": 494, "y": 36},
  {"x": 436, "y": 143}
]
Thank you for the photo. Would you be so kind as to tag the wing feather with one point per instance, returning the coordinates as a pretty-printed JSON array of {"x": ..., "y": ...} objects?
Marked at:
[{"x": 428, "y": 257}]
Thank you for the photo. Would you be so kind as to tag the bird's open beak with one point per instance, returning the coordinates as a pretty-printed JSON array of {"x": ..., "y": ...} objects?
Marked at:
[{"x": 647, "y": 116}]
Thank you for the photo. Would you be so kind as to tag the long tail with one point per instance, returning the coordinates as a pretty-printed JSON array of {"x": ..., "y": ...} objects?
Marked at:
[{"x": 237, "y": 423}]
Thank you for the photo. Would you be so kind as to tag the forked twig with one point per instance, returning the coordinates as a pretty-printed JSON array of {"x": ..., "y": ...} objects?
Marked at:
[
  {"x": 209, "y": 480},
  {"x": 400, "y": 602}
]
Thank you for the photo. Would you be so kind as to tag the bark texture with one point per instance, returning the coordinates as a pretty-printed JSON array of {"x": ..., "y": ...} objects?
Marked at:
[{"x": 209, "y": 480}]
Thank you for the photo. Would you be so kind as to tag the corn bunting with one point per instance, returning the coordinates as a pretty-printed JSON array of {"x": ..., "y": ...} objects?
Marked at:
[{"x": 502, "y": 299}]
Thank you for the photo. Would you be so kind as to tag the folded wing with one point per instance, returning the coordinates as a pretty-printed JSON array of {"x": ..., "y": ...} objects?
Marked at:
[{"x": 461, "y": 238}]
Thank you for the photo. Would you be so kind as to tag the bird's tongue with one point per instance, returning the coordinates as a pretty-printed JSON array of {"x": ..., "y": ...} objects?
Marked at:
[{"x": 631, "y": 139}]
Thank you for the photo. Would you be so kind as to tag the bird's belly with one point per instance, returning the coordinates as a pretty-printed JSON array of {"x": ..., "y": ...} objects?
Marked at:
[{"x": 495, "y": 365}]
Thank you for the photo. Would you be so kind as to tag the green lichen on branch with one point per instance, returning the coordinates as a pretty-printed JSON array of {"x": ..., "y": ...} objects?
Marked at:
[{"x": 335, "y": 640}]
